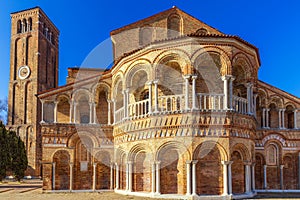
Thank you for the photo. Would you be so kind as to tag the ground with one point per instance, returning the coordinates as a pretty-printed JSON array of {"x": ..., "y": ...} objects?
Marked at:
[{"x": 32, "y": 190}]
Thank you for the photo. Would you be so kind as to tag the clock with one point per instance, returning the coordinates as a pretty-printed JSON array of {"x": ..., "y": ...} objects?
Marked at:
[{"x": 24, "y": 72}]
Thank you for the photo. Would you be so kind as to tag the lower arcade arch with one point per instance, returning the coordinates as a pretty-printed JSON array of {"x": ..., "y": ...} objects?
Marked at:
[
  {"x": 238, "y": 173},
  {"x": 172, "y": 158},
  {"x": 103, "y": 170},
  {"x": 61, "y": 158},
  {"x": 209, "y": 170}
]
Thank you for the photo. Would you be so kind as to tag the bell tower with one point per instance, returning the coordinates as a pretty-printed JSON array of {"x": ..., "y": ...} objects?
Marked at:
[{"x": 33, "y": 68}]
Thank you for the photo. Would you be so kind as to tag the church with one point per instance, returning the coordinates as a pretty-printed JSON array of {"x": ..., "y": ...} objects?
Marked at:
[{"x": 180, "y": 114}]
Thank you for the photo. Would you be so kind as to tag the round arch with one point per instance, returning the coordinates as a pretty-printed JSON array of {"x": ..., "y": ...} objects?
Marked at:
[{"x": 225, "y": 59}]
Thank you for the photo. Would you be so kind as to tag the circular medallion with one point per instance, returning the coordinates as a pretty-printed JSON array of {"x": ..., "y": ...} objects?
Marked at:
[{"x": 24, "y": 72}]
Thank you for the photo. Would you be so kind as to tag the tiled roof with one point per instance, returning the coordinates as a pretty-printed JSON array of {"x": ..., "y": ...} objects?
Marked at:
[{"x": 159, "y": 15}]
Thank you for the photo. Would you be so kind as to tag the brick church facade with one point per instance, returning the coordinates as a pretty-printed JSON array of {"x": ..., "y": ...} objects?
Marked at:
[{"x": 180, "y": 114}]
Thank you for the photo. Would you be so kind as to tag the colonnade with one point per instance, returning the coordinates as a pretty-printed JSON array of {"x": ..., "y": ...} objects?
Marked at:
[
  {"x": 281, "y": 118},
  {"x": 191, "y": 177},
  {"x": 94, "y": 178}
]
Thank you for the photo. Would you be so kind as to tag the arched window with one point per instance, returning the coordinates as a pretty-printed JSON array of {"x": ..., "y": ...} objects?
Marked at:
[
  {"x": 201, "y": 31},
  {"x": 19, "y": 26},
  {"x": 174, "y": 24},
  {"x": 30, "y": 24},
  {"x": 272, "y": 154},
  {"x": 145, "y": 35}
]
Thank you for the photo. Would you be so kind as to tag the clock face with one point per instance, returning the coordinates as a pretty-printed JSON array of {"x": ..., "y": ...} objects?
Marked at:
[{"x": 24, "y": 72}]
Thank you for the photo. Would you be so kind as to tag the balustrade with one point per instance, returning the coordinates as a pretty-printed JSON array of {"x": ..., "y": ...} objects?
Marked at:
[
  {"x": 171, "y": 103},
  {"x": 206, "y": 102},
  {"x": 138, "y": 109},
  {"x": 239, "y": 104}
]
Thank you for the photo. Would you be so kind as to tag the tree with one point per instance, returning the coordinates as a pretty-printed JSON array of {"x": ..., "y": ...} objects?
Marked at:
[
  {"x": 12, "y": 154},
  {"x": 3, "y": 151}
]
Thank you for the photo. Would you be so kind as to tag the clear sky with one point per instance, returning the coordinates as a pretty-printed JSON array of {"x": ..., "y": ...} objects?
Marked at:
[{"x": 271, "y": 25}]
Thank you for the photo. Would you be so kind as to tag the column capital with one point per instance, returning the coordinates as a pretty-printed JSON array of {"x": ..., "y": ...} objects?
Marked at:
[
  {"x": 281, "y": 166},
  {"x": 249, "y": 84},
  {"x": 247, "y": 162},
  {"x": 226, "y": 162},
  {"x": 188, "y": 161},
  {"x": 71, "y": 164},
  {"x": 296, "y": 110},
  {"x": 157, "y": 162},
  {"x": 225, "y": 77},
  {"x": 194, "y": 77},
  {"x": 94, "y": 164},
  {"x": 149, "y": 83},
  {"x": 194, "y": 162},
  {"x": 187, "y": 76},
  {"x": 155, "y": 81}
]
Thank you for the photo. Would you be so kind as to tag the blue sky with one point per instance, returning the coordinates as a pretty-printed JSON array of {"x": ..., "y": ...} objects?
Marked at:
[{"x": 272, "y": 26}]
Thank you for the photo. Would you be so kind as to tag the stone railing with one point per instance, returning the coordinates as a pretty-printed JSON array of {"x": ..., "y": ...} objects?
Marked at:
[
  {"x": 138, "y": 109},
  {"x": 206, "y": 102},
  {"x": 171, "y": 103},
  {"x": 239, "y": 104}
]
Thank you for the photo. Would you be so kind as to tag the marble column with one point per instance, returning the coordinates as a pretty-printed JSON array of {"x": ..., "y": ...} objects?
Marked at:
[
  {"x": 91, "y": 113},
  {"x": 150, "y": 97},
  {"x": 194, "y": 177},
  {"x": 95, "y": 113},
  {"x": 194, "y": 106},
  {"x": 153, "y": 177},
  {"x": 279, "y": 118},
  {"x": 111, "y": 176},
  {"x": 253, "y": 176},
  {"x": 71, "y": 110},
  {"x": 263, "y": 118},
  {"x": 186, "y": 78},
  {"x": 267, "y": 118},
  {"x": 295, "y": 119},
  {"x": 225, "y": 91},
  {"x": 55, "y": 112},
  {"x": 230, "y": 178},
  {"x": 249, "y": 97},
  {"x": 109, "y": 112},
  {"x": 53, "y": 175},
  {"x": 127, "y": 176},
  {"x": 117, "y": 176},
  {"x": 247, "y": 178},
  {"x": 225, "y": 177},
  {"x": 155, "y": 96},
  {"x": 254, "y": 104},
  {"x": 188, "y": 177},
  {"x": 265, "y": 177},
  {"x": 231, "y": 92},
  {"x": 115, "y": 104},
  {"x": 42, "y": 105},
  {"x": 130, "y": 165},
  {"x": 281, "y": 177},
  {"x": 157, "y": 177},
  {"x": 71, "y": 176},
  {"x": 283, "y": 120},
  {"x": 75, "y": 113},
  {"x": 94, "y": 176}
]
